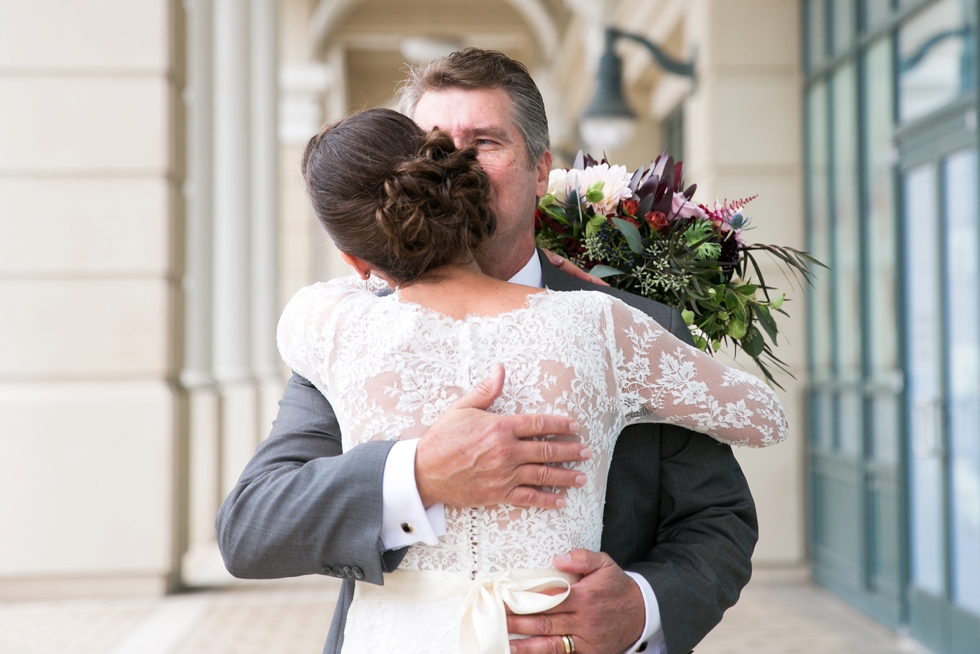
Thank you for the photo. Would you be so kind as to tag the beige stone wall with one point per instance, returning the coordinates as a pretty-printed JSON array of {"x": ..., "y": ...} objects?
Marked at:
[
  {"x": 744, "y": 135},
  {"x": 91, "y": 427}
]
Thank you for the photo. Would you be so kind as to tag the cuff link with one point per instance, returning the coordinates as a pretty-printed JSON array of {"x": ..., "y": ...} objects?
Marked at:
[{"x": 408, "y": 528}]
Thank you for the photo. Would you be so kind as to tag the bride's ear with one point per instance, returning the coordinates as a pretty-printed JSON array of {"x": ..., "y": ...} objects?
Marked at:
[{"x": 360, "y": 266}]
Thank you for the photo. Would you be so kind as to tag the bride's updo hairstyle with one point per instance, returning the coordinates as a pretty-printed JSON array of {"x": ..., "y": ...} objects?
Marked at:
[{"x": 403, "y": 200}]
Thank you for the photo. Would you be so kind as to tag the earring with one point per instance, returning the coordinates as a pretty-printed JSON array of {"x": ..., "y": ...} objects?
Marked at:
[{"x": 367, "y": 274}]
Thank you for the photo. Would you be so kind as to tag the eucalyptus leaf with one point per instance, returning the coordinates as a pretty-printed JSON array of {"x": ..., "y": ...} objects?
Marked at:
[
  {"x": 631, "y": 233},
  {"x": 601, "y": 271}
]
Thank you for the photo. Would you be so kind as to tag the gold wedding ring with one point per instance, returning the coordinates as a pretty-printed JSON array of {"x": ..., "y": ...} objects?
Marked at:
[{"x": 569, "y": 644}]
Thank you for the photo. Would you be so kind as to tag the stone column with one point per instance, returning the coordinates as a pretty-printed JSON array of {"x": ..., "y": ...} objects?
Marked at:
[
  {"x": 91, "y": 412},
  {"x": 204, "y": 419},
  {"x": 744, "y": 135},
  {"x": 264, "y": 207},
  {"x": 232, "y": 242},
  {"x": 304, "y": 87}
]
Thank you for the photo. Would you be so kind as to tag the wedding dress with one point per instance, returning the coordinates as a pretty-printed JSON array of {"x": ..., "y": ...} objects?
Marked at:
[{"x": 390, "y": 368}]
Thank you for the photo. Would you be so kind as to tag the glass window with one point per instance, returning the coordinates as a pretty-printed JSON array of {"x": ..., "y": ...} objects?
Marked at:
[
  {"x": 816, "y": 18},
  {"x": 844, "y": 24},
  {"x": 850, "y": 424},
  {"x": 821, "y": 327},
  {"x": 936, "y": 52},
  {"x": 962, "y": 236},
  {"x": 847, "y": 236},
  {"x": 880, "y": 227},
  {"x": 923, "y": 315},
  {"x": 822, "y": 421},
  {"x": 876, "y": 13},
  {"x": 885, "y": 428},
  {"x": 881, "y": 245}
]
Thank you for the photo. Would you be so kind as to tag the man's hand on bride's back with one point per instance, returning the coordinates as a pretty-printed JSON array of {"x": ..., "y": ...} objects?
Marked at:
[{"x": 473, "y": 458}]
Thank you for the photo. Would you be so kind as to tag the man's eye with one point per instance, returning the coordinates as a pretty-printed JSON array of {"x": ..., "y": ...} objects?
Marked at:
[{"x": 479, "y": 142}]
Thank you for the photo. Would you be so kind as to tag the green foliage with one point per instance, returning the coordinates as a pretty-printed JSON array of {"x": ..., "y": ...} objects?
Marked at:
[{"x": 683, "y": 265}]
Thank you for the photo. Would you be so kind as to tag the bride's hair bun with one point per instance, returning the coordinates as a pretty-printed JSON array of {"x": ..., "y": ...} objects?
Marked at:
[{"x": 405, "y": 201}]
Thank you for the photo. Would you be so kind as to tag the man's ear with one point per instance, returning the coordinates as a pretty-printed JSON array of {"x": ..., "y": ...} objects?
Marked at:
[
  {"x": 543, "y": 171},
  {"x": 360, "y": 266}
]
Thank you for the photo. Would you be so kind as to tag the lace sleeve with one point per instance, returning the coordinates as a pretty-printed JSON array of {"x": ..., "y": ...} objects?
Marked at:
[
  {"x": 663, "y": 379},
  {"x": 305, "y": 333}
]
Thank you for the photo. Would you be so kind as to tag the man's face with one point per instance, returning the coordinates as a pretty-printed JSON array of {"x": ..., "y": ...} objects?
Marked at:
[{"x": 484, "y": 118}]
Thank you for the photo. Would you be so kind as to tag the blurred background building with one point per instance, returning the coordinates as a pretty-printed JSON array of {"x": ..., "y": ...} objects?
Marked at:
[{"x": 153, "y": 224}]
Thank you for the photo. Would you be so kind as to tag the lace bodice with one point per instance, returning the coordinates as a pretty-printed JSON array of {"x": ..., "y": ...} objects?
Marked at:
[{"x": 390, "y": 368}]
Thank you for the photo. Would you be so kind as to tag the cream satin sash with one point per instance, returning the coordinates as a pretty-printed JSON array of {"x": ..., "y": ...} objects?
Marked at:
[{"x": 484, "y": 624}]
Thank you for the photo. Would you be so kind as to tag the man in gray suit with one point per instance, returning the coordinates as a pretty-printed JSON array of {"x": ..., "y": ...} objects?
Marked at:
[{"x": 679, "y": 524}]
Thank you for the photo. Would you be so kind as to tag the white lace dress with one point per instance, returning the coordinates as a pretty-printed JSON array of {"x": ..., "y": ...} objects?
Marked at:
[{"x": 390, "y": 368}]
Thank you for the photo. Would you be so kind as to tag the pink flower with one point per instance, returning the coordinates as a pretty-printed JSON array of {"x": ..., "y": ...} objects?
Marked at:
[{"x": 681, "y": 207}]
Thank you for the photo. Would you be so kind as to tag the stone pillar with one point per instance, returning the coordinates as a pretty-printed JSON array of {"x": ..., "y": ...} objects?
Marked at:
[
  {"x": 264, "y": 207},
  {"x": 204, "y": 487},
  {"x": 304, "y": 86},
  {"x": 91, "y": 415},
  {"x": 232, "y": 243},
  {"x": 743, "y": 133}
]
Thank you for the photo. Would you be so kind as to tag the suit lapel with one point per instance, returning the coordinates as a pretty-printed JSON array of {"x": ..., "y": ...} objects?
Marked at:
[{"x": 556, "y": 280}]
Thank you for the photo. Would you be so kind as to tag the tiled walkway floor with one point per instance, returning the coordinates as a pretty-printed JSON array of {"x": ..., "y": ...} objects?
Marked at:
[
  {"x": 781, "y": 614},
  {"x": 778, "y": 614}
]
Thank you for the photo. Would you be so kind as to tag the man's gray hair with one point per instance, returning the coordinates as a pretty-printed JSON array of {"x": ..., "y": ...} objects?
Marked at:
[{"x": 473, "y": 68}]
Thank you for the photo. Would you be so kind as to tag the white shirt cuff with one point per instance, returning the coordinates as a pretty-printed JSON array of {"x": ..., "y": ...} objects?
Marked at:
[
  {"x": 653, "y": 633},
  {"x": 404, "y": 521}
]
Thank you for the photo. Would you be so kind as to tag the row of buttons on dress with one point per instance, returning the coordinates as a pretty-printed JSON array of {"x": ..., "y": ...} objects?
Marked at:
[{"x": 343, "y": 571}]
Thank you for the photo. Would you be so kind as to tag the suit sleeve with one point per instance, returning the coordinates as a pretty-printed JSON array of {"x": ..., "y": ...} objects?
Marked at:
[
  {"x": 708, "y": 530},
  {"x": 302, "y": 506}
]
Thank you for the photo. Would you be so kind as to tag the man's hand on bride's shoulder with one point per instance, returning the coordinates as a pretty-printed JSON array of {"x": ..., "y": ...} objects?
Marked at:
[
  {"x": 570, "y": 268},
  {"x": 604, "y": 613},
  {"x": 470, "y": 457}
]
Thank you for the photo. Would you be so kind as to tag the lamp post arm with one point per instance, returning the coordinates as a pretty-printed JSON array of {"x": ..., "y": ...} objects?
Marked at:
[{"x": 668, "y": 63}]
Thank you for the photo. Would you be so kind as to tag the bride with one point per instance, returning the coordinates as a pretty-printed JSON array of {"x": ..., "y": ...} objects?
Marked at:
[{"x": 408, "y": 209}]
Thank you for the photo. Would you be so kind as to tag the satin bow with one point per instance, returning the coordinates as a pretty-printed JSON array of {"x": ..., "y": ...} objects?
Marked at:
[{"x": 484, "y": 627}]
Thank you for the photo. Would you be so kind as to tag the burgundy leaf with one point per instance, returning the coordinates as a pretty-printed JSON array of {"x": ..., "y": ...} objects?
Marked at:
[
  {"x": 678, "y": 180},
  {"x": 645, "y": 205},
  {"x": 650, "y": 186},
  {"x": 635, "y": 181}
]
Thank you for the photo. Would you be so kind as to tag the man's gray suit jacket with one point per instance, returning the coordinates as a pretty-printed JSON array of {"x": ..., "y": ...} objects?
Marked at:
[{"x": 678, "y": 509}]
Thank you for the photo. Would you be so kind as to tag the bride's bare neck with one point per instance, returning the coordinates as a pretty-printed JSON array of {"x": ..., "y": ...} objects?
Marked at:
[{"x": 461, "y": 290}]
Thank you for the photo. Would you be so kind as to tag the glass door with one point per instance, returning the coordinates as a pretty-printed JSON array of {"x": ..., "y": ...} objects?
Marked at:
[
  {"x": 941, "y": 261},
  {"x": 962, "y": 336}
]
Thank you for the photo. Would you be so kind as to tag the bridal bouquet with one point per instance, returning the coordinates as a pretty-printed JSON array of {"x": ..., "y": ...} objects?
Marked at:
[{"x": 642, "y": 233}]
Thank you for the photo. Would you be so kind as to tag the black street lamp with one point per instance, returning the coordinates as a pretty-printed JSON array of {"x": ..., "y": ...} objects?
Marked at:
[{"x": 608, "y": 122}]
